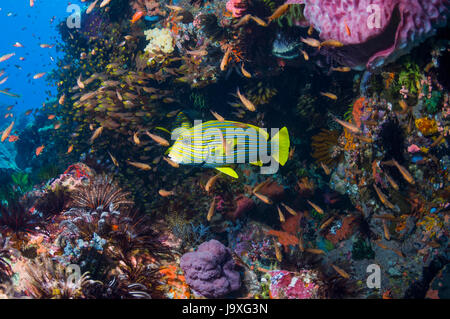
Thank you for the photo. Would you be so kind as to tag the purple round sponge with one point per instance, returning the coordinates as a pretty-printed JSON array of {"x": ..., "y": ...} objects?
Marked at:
[{"x": 209, "y": 271}]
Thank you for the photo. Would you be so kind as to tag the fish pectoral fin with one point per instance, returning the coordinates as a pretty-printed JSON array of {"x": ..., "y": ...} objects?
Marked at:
[
  {"x": 257, "y": 163},
  {"x": 228, "y": 171}
]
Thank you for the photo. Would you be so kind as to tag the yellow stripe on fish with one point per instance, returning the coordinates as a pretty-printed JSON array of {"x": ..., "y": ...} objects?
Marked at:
[{"x": 218, "y": 144}]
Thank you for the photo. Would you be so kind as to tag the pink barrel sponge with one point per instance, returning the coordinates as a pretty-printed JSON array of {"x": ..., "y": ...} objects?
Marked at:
[
  {"x": 236, "y": 7},
  {"x": 382, "y": 29}
]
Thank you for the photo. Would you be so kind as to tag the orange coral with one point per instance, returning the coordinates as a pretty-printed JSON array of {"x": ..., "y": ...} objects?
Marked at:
[
  {"x": 292, "y": 224},
  {"x": 389, "y": 78},
  {"x": 344, "y": 232},
  {"x": 284, "y": 238},
  {"x": 427, "y": 126},
  {"x": 171, "y": 277},
  {"x": 350, "y": 144},
  {"x": 357, "y": 110}
]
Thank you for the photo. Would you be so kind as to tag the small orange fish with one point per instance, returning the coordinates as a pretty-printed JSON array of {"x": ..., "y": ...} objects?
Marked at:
[
  {"x": 6, "y": 132},
  {"x": 211, "y": 210},
  {"x": 46, "y": 46},
  {"x": 51, "y": 116},
  {"x": 263, "y": 198},
  {"x": 70, "y": 149},
  {"x": 165, "y": 193},
  {"x": 305, "y": 55},
  {"x": 7, "y": 56},
  {"x": 39, "y": 75},
  {"x": 171, "y": 163},
  {"x": 278, "y": 253},
  {"x": 331, "y": 43},
  {"x": 39, "y": 150},
  {"x": 28, "y": 112},
  {"x": 13, "y": 138},
  {"x": 224, "y": 62},
  {"x": 157, "y": 139},
  {"x": 317, "y": 208},
  {"x": 137, "y": 16},
  {"x": 347, "y": 29},
  {"x": 341, "y": 272},
  {"x": 289, "y": 209},
  {"x": 315, "y": 251},
  {"x": 115, "y": 227},
  {"x": 383, "y": 198},
  {"x": 211, "y": 182},
  {"x": 406, "y": 175},
  {"x": 245, "y": 72},
  {"x": 329, "y": 95},
  {"x": 311, "y": 42},
  {"x": 18, "y": 45},
  {"x": 279, "y": 12},
  {"x": 280, "y": 214}
]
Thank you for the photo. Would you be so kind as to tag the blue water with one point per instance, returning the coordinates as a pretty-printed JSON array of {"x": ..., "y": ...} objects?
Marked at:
[{"x": 31, "y": 26}]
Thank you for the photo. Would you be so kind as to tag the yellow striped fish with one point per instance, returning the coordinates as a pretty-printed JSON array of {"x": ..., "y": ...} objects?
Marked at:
[{"x": 218, "y": 145}]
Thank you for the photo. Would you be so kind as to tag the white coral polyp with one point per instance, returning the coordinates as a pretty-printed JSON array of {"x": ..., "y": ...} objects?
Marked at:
[{"x": 161, "y": 41}]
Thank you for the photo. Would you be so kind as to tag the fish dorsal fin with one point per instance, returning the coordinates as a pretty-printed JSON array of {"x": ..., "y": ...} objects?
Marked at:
[
  {"x": 228, "y": 171},
  {"x": 184, "y": 125},
  {"x": 257, "y": 129},
  {"x": 179, "y": 131}
]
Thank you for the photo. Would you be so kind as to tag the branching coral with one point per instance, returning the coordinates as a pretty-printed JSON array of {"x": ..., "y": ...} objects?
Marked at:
[{"x": 101, "y": 192}]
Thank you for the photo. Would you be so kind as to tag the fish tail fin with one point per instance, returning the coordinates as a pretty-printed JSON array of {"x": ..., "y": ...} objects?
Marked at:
[{"x": 280, "y": 146}]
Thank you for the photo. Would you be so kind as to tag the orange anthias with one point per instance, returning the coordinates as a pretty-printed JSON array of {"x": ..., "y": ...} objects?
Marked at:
[
  {"x": 137, "y": 16},
  {"x": 39, "y": 150}
]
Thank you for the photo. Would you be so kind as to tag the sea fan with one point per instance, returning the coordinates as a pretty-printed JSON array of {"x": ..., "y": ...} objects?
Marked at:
[
  {"x": 100, "y": 193},
  {"x": 45, "y": 279},
  {"x": 16, "y": 219}
]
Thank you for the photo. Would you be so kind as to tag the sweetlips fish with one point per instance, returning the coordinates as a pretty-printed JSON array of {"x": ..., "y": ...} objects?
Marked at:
[{"x": 220, "y": 144}]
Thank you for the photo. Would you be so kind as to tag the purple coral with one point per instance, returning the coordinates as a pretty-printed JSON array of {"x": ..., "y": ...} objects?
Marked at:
[
  {"x": 374, "y": 31},
  {"x": 209, "y": 271}
]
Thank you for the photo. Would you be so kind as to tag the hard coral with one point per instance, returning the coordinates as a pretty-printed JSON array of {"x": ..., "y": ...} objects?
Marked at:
[{"x": 210, "y": 270}]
